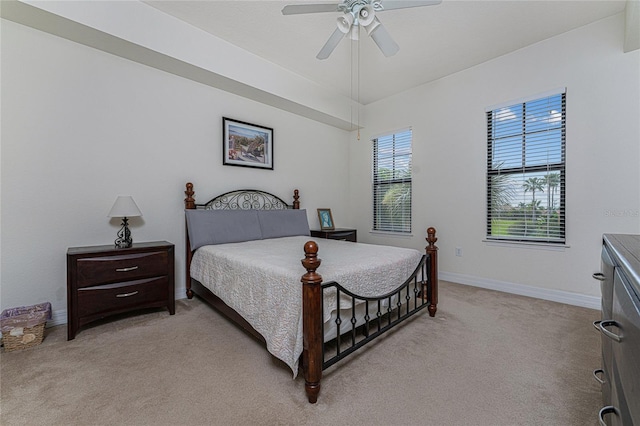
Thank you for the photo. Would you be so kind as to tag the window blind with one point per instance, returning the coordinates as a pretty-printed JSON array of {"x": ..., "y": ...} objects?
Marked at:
[
  {"x": 526, "y": 157},
  {"x": 392, "y": 182}
]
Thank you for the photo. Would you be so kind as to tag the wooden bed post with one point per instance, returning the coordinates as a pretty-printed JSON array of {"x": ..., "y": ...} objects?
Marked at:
[
  {"x": 312, "y": 322},
  {"x": 296, "y": 199},
  {"x": 190, "y": 204},
  {"x": 432, "y": 251}
]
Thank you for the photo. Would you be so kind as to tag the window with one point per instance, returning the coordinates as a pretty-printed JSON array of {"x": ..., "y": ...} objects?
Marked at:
[
  {"x": 526, "y": 171},
  {"x": 392, "y": 182}
]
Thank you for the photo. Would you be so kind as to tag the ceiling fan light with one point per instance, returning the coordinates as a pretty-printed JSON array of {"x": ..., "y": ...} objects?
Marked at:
[
  {"x": 366, "y": 15},
  {"x": 345, "y": 22}
]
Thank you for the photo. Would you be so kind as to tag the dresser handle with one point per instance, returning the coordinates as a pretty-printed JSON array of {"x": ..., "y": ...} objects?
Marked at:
[
  {"x": 599, "y": 276},
  {"x": 132, "y": 268},
  {"x": 595, "y": 375},
  {"x": 607, "y": 333},
  {"x": 133, "y": 293},
  {"x": 606, "y": 410}
]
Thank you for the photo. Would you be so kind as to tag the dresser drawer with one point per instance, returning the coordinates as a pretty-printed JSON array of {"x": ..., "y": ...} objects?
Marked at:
[
  {"x": 105, "y": 269},
  {"x": 626, "y": 313},
  {"x": 97, "y": 301}
]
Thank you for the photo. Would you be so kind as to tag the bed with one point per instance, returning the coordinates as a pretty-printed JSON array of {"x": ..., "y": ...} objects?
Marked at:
[{"x": 243, "y": 255}]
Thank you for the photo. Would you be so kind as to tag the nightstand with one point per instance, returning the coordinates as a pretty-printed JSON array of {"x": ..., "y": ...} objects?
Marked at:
[
  {"x": 344, "y": 234},
  {"x": 104, "y": 281}
]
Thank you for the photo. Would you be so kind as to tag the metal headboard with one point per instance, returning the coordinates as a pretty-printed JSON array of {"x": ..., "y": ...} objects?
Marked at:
[{"x": 245, "y": 199}]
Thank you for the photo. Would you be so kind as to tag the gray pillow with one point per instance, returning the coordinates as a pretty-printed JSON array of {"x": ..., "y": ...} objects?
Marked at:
[
  {"x": 283, "y": 223},
  {"x": 208, "y": 227}
]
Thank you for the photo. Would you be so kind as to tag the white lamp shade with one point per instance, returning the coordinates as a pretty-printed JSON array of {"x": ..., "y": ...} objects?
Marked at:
[{"x": 124, "y": 207}]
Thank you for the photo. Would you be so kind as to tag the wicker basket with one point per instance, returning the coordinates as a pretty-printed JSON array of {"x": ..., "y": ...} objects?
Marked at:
[
  {"x": 23, "y": 327},
  {"x": 32, "y": 336}
]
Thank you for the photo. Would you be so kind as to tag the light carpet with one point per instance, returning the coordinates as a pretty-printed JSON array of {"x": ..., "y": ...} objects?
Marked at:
[{"x": 487, "y": 358}]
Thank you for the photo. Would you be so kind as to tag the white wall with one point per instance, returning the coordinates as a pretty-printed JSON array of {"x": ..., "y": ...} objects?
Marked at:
[
  {"x": 80, "y": 127},
  {"x": 449, "y": 158},
  {"x": 141, "y": 33}
]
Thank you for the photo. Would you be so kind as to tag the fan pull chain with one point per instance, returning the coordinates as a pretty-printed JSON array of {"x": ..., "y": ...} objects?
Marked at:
[
  {"x": 351, "y": 85},
  {"x": 358, "y": 104}
]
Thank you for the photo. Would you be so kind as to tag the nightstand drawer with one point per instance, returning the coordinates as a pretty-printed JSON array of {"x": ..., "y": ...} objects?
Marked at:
[
  {"x": 106, "y": 269},
  {"x": 342, "y": 234},
  {"x": 112, "y": 298}
]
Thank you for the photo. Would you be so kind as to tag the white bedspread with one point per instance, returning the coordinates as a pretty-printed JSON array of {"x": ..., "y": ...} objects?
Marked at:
[{"x": 261, "y": 281}]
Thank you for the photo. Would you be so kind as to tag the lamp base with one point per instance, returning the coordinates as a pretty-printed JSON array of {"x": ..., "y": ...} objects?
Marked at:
[
  {"x": 124, "y": 235},
  {"x": 122, "y": 244}
]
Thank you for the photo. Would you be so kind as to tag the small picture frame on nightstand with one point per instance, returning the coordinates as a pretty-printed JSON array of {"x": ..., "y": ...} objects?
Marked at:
[{"x": 326, "y": 219}]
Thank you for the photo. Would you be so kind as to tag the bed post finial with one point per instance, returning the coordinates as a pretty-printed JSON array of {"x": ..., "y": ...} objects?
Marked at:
[
  {"x": 189, "y": 202},
  {"x": 296, "y": 199},
  {"x": 431, "y": 238},
  {"x": 432, "y": 285},
  {"x": 312, "y": 322}
]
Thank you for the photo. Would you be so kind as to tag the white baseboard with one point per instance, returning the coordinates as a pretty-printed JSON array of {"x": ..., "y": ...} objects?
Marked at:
[
  {"x": 592, "y": 302},
  {"x": 59, "y": 317},
  {"x": 181, "y": 292}
]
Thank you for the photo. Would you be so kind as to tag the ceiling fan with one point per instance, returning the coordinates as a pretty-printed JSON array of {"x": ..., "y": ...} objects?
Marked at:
[{"x": 355, "y": 14}]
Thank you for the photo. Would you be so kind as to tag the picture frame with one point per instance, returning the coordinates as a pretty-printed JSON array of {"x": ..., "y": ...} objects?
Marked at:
[
  {"x": 326, "y": 220},
  {"x": 246, "y": 145}
]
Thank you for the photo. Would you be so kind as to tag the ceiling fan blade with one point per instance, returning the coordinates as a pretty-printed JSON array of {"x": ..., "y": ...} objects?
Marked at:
[
  {"x": 331, "y": 44},
  {"x": 296, "y": 9},
  {"x": 384, "y": 41},
  {"x": 404, "y": 4}
]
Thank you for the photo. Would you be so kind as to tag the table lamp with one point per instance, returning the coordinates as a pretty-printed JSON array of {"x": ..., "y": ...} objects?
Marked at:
[{"x": 125, "y": 208}]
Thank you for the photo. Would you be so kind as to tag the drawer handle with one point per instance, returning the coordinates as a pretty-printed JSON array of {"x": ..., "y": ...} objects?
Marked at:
[
  {"x": 133, "y": 293},
  {"x": 606, "y": 410},
  {"x": 599, "y": 276},
  {"x": 607, "y": 333},
  {"x": 595, "y": 375},
  {"x": 596, "y": 325},
  {"x": 132, "y": 268}
]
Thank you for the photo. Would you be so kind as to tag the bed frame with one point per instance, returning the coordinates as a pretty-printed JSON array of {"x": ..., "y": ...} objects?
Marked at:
[{"x": 418, "y": 292}]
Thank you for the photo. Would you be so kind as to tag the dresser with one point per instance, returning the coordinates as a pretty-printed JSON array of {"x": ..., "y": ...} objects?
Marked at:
[
  {"x": 619, "y": 376},
  {"x": 344, "y": 234},
  {"x": 104, "y": 281}
]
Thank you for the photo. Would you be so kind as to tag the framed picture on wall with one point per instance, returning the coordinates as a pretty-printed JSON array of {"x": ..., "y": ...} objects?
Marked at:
[
  {"x": 326, "y": 219},
  {"x": 246, "y": 144}
]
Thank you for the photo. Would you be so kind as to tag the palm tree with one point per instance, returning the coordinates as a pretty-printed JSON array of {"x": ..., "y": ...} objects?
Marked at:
[
  {"x": 396, "y": 197},
  {"x": 397, "y": 202},
  {"x": 552, "y": 181},
  {"x": 532, "y": 185},
  {"x": 502, "y": 193}
]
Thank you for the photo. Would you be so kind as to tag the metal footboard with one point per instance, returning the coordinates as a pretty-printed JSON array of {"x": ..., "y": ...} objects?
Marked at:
[
  {"x": 418, "y": 292},
  {"x": 378, "y": 314}
]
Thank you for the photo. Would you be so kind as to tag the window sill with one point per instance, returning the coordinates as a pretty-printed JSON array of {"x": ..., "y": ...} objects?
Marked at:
[
  {"x": 391, "y": 234},
  {"x": 527, "y": 245}
]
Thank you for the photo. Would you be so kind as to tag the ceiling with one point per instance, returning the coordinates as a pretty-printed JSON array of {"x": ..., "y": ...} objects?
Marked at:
[{"x": 434, "y": 41}]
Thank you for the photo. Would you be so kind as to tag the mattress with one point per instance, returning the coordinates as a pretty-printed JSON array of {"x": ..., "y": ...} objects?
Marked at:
[{"x": 261, "y": 281}]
